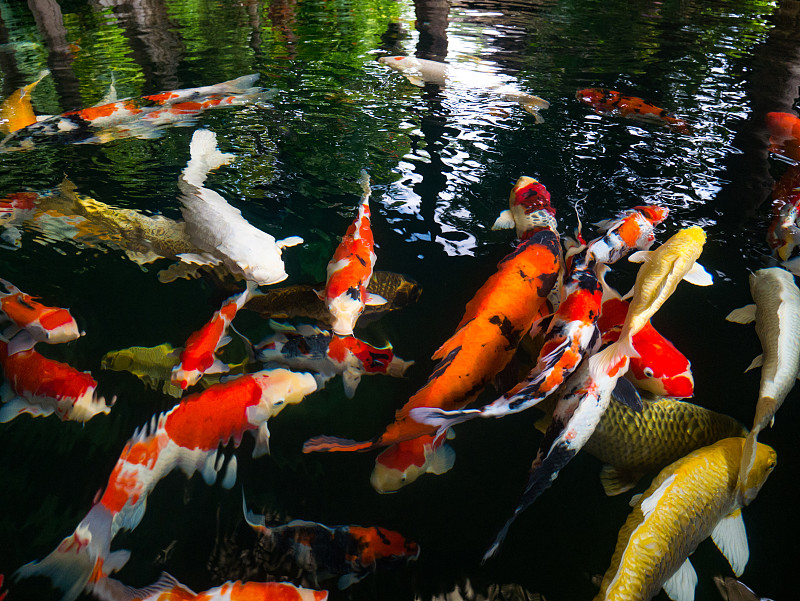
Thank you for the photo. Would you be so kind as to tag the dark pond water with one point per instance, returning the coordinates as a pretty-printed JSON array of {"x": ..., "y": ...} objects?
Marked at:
[{"x": 442, "y": 163}]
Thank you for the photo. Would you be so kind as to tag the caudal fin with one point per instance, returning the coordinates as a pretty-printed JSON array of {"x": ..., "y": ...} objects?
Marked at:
[{"x": 205, "y": 157}]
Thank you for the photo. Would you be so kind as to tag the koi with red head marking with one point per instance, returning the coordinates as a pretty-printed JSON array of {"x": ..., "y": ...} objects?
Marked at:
[
  {"x": 34, "y": 322},
  {"x": 350, "y": 270},
  {"x": 311, "y": 348},
  {"x": 494, "y": 321},
  {"x": 349, "y": 552},
  {"x": 660, "y": 367},
  {"x": 631, "y": 107},
  {"x": 40, "y": 386},
  {"x": 198, "y": 357},
  {"x": 529, "y": 209},
  {"x": 784, "y": 130},
  {"x": 167, "y": 588},
  {"x": 631, "y": 229},
  {"x": 187, "y": 437}
]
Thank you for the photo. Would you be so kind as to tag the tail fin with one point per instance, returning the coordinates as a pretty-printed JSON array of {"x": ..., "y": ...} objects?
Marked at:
[
  {"x": 333, "y": 444},
  {"x": 604, "y": 361},
  {"x": 240, "y": 85},
  {"x": 205, "y": 157},
  {"x": 109, "y": 589}
]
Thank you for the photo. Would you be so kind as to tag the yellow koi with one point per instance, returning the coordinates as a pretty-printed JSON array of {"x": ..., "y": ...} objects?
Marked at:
[{"x": 16, "y": 111}]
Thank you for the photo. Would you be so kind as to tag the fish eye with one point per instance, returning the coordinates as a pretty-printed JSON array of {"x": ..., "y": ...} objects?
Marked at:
[
  {"x": 648, "y": 371},
  {"x": 279, "y": 402}
]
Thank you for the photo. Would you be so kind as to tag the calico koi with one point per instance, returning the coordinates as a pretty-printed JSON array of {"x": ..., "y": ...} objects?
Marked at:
[
  {"x": 776, "y": 313},
  {"x": 631, "y": 107},
  {"x": 690, "y": 500},
  {"x": 349, "y": 552},
  {"x": 494, "y": 321},
  {"x": 350, "y": 270},
  {"x": 167, "y": 588},
  {"x": 41, "y": 386},
  {"x": 629, "y": 230},
  {"x": 188, "y": 437},
  {"x": 313, "y": 349},
  {"x": 34, "y": 322},
  {"x": 198, "y": 357}
]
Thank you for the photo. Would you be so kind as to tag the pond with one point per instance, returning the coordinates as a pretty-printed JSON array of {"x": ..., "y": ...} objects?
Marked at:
[{"x": 441, "y": 162}]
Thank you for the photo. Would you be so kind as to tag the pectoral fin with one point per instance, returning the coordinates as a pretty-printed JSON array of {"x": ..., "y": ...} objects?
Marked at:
[
  {"x": 416, "y": 80},
  {"x": 18, "y": 406},
  {"x": 441, "y": 460},
  {"x": 641, "y": 256},
  {"x": 374, "y": 300},
  {"x": 218, "y": 367},
  {"x": 290, "y": 241},
  {"x": 681, "y": 585},
  {"x": 616, "y": 481},
  {"x": 757, "y": 362},
  {"x": 625, "y": 392},
  {"x": 21, "y": 342},
  {"x": 698, "y": 276},
  {"x": 262, "y": 441},
  {"x": 350, "y": 379},
  {"x": 731, "y": 539},
  {"x": 504, "y": 221},
  {"x": 746, "y": 314}
]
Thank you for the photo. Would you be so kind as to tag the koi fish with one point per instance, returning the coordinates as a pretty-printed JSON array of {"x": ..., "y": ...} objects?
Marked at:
[
  {"x": 529, "y": 209},
  {"x": 420, "y": 71},
  {"x": 784, "y": 129},
  {"x": 494, "y": 321},
  {"x": 198, "y": 357},
  {"x": 142, "y": 117},
  {"x": 629, "y": 230},
  {"x": 34, "y": 322},
  {"x": 691, "y": 499},
  {"x": 660, "y": 368},
  {"x": 350, "y": 552},
  {"x": 656, "y": 280},
  {"x": 631, "y": 107},
  {"x": 40, "y": 386},
  {"x": 313, "y": 349},
  {"x": 350, "y": 270},
  {"x": 776, "y": 313},
  {"x": 16, "y": 111},
  {"x": 218, "y": 228},
  {"x": 188, "y": 437},
  {"x": 783, "y": 234},
  {"x": 634, "y": 443},
  {"x": 167, "y": 588}
]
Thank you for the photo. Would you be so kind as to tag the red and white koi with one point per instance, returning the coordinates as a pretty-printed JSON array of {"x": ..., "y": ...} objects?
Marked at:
[
  {"x": 313, "y": 349},
  {"x": 188, "y": 437},
  {"x": 40, "y": 386},
  {"x": 198, "y": 356},
  {"x": 350, "y": 270},
  {"x": 167, "y": 588},
  {"x": 631, "y": 107},
  {"x": 34, "y": 322},
  {"x": 349, "y": 552},
  {"x": 494, "y": 321}
]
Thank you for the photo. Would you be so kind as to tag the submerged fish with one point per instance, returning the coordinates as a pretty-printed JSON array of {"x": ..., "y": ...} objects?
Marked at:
[
  {"x": 188, "y": 437},
  {"x": 691, "y": 499},
  {"x": 420, "y": 71},
  {"x": 494, "y": 321},
  {"x": 783, "y": 234},
  {"x": 349, "y": 552},
  {"x": 167, "y": 588},
  {"x": 776, "y": 313},
  {"x": 610, "y": 101},
  {"x": 784, "y": 129},
  {"x": 16, "y": 111},
  {"x": 350, "y": 270},
  {"x": 219, "y": 229},
  {"x": 310, "y": 348}
]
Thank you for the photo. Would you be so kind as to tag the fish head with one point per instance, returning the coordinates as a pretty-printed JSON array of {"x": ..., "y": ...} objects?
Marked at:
[
  {"x": 400, "y": 464},
  {"x": 400, "y": 63},
  {"x": 345, "y": 310},
  {"x": 281, "y": 387},
  {"x": 381, "y": 545},
  {"x": 653, "y": 213},
  {"x": 660, "y": 368},
  {"x": 529, "y": 203},
  {"x": 184, "y": 378},
  {"x": 765, "y": 461},
  {"x": 371, "y": 359},
  {"x": 592, "y": 96}
]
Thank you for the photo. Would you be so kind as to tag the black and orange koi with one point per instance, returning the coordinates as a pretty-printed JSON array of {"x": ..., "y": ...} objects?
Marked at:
[{"x": 631, "y": 107}]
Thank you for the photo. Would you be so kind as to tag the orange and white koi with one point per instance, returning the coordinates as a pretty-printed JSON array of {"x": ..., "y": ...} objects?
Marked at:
[
  {"x": 631, "y": 107},
  {"x": 198, "y": 356},
  {"x": 34, "y": 322},
  {"x": 40, "y": 386},
  {"x": 134, "y": 117},
  {"x": 188, "y": 437},
  {"x": 349, "y": 552},
  {"x": 660, "y": 367},
  {"x": 350, "y": 270},
  {"x": 784, "y": 130},
  {"x": 494, "y": 321},
  {"x": 16, "y": 111},
  {"x": 313, "y": 349},
  {"x": 629, "y": 230},
  {"x": 167, "y": 588}
]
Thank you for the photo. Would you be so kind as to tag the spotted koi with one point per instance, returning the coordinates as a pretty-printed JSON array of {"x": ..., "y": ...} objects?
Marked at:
[{"x": 631, "y": 107}]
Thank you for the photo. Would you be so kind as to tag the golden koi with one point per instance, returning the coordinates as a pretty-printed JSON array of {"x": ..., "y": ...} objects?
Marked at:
[{"x": 16, "y": 111}]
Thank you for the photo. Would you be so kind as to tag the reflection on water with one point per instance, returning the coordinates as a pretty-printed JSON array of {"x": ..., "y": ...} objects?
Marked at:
[{"x": 442, "y": 159}]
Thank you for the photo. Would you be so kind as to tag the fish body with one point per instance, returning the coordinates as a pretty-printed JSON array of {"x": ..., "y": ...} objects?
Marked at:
[
  {"x": 167, "y": 588},
  {"x": 36, "y": 322},
  {"x": 188, "y": 437},
  {"x": 16, "y": 111},
  {"x": 690, "y": 500},
  {"x": 198, "y": 356},
  {"x": 631, "y": 229},
  {"x": 660, "y": 367},
  {"x": 494, "y": 321},
  {"x": 631, "y": 107},
  {"x": 327, "y": 354},
  {"x": 784, "y": 130},
  {"x": 350, "y": 270},
  {"x": 218, "y": 228},
  {"x": 420, "y": 71},
  {"x": 350, "y": 552},
  {"x": 41, "y": 386},
  {"x": 777, "y": 317},
  {"x": 656, "y": 280}
]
